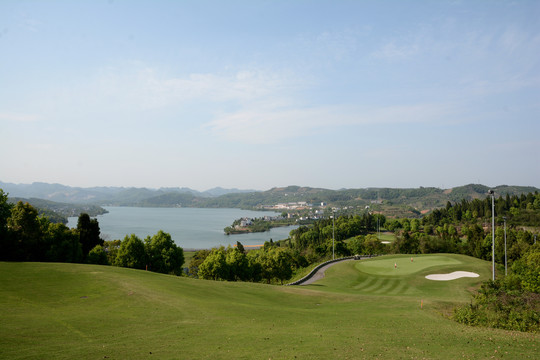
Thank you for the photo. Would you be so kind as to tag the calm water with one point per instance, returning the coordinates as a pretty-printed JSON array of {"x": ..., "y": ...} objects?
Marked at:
[{"x": 190, "y": 228}]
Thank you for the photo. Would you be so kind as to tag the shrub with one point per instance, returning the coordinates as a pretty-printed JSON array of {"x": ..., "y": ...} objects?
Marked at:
[{"x": 97, "y": 256}]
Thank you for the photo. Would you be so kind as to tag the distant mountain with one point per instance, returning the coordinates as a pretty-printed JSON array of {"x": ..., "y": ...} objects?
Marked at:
[
  {"x": 103, "y": 195},
  {"x": 54, "y": 192},
  {"x": 391, "y": 201},
  {"x": 214, "y": 192},
  {"x": 219, "y": 191}
]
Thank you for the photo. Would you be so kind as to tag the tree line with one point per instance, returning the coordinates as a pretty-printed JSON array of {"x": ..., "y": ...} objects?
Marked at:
[
  {"x": 350, "y": 235},
  {"x": 277, "y": 261},
  {"x": 27, "y": 236},
  {"x": 519, "y": 210},
  {"x": 461, "y": 228},
  {"x": 269, "y": 264},
  {"x": 457, "y": 228}
]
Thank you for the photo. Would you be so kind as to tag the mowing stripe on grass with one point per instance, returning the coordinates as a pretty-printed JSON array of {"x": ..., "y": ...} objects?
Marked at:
[
  {"x": 374, "y": 286},
  {"x": 385, "y": 287},
  {"x": 131, "y": 314},
  {"x": 365, "y": 283},
  {"x": 399, "y": 289}
]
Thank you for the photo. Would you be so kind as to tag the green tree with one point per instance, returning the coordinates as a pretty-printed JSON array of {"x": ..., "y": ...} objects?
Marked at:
[
  {"x": 63, "y": 244},
  {"x": 393, "y": 225},
  {"x": 111, "y": 247},
  {"x": 527, "y": 269},
  {"x": 266, "y": 263},
  {"x": 518, "y": 245},
  {"x": 356, "y": 245},
  {"x": 88, "y": 230},
  {"x": 338, "y": 247},
  {"x": 5, "y": 213},
  {"x": 406, "y": 224},
  {"x": 373, "y": 246},
  {"x": 415, "y": 225},
  {"x": 282, "y": 264},
  {"x": 407, "y": 244},
  {"x": 196, "y": 261},
  {"x": 475, "y": 236},
  {"x": 131, "y": 253},
  {"x": 237, "y": 264},
  {"x": 163, "y": 254},
  {"x": 240, "y": 247},
  {"x": 254, "y": 266},
  {"x": 97, "y": 256},
  {"x": 214, "y": 267},
  {"x": 25, "y": 233}
]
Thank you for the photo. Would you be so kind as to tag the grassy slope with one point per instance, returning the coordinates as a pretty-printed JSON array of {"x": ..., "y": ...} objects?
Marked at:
[{"x": 359, "y": 310}]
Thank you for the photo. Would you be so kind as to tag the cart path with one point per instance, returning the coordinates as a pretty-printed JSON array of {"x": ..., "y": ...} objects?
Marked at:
[{"x": 320, "y": 273}]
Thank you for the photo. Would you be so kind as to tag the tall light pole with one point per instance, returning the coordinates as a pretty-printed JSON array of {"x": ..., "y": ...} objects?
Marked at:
[
  {"x": 333, "y": 232},
  {"x": 505, "y": 262},
  {"x": 492, "y": 193}
]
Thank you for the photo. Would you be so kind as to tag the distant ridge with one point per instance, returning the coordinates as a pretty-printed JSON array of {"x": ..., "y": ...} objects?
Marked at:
[
  {"x": 393, "y": 201},
  {"x": 103, "y": 195}
]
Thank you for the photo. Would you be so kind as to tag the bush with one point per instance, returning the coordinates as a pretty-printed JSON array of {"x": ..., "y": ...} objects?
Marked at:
[
  {"x": 467, "y": 315},
  {"x": 501, "y": 305},
  {"x": 97, "y": 256}
]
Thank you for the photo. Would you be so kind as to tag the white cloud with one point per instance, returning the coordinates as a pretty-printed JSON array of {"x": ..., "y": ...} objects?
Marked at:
[
  {"x": 272, "y": 125},
  {"x": 137, "y": 87},
  {"x": 264, "y": 126}
]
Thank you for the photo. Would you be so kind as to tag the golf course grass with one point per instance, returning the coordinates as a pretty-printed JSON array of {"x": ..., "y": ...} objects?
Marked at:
[
  {"x": 360, "y": 310},
  {"x": 387, "y": 237}
]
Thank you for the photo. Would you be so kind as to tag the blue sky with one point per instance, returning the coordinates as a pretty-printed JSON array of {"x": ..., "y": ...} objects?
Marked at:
[{"x": 257, "y": 94}]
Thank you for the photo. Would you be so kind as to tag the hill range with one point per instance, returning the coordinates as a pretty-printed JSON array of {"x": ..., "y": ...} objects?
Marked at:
[{"x": 411, "y": 202}]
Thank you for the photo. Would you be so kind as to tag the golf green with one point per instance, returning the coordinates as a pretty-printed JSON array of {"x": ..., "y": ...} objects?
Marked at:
[{"x": 404, "y": 265}]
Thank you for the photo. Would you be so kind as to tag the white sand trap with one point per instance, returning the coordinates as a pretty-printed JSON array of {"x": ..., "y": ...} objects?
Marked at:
[
  {"x": 452, "y": 276},
  {"x": 385, "y": 242}
]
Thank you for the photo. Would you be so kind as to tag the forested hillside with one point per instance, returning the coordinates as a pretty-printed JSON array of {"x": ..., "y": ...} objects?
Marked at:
[
  {"x": 59, "y": 212},
  {"x": 393, "y": 202}
]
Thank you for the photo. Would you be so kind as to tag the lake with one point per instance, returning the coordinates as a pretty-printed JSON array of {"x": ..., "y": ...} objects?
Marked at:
[{"x": 190, "y": 228}]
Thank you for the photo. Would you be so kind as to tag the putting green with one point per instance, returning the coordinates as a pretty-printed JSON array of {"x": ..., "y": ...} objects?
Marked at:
[{"x": 387, "y": 266}]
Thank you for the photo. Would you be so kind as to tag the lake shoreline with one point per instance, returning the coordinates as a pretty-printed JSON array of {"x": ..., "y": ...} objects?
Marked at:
[{"x": 190, "y": 228}]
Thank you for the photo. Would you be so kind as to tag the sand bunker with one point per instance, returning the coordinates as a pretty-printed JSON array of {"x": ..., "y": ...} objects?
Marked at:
[{"x": 452, "y": 276}]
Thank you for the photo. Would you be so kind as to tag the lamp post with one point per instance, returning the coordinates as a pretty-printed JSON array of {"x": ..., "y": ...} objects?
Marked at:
[
  {"x": 505, "y": 262},
  {"x": 492, "y": 193},
  {"x": 333, "y": 232}
]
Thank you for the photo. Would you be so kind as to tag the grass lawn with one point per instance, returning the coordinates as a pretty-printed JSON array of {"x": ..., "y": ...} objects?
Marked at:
[
  {"x": 188, "y": 255},
  {"x": 387, "y": 236},
  {"x": 359, "y": 310}
]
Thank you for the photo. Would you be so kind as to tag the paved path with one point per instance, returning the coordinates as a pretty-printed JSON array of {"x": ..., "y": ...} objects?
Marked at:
[{"x": 320, "y": 273}]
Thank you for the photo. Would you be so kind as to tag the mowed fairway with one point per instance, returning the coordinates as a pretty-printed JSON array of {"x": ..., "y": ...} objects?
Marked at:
[{"x": 359, "y": 310}]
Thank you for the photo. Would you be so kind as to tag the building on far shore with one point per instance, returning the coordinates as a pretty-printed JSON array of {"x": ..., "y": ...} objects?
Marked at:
[{"x": 299, "y": 205}]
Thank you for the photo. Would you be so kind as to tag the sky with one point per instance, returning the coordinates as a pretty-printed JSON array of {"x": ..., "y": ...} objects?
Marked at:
[{"x": 261, "y": 94}]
